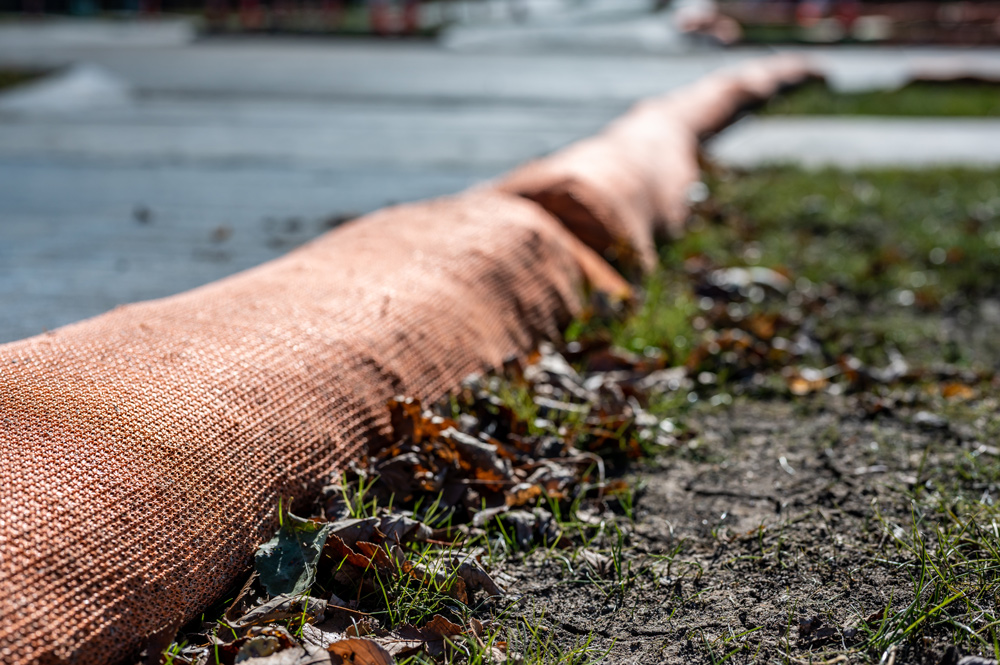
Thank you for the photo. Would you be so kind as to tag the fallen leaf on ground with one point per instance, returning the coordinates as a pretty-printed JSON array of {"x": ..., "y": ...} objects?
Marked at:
[
  {"x": 280, "y": 608},
  {"x": 359, "y": 651},
  {"x": 287, "y": 562}
]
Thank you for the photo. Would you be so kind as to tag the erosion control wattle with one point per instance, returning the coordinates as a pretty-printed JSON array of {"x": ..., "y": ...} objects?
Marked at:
[
  {"x": 143, "y": 453},
  {"x": 630, "y": 185}
]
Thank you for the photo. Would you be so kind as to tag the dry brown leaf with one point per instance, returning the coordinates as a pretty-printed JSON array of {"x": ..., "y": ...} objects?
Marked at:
[
  {"x": 319, "y": 636},
  {"x": 522, "y": 493},
  {"x": 351, "y": 530},
  {"x": 376, "y": 555},
  {"x": 314, "y": 655},
  {"x": 484, "y": 516},
  {"x": 398, "y": 646},
  {"x": 955, "y": 390},
  {"x": 479, "y": 454},
  {"x": 599, "y": 563},
  {"x": 359, "y": 651},
  {"x": 408, "y": 420},
  {"x": 280, "y": 608},
  {"x": 441, "y": 627},
  {"x": 342, "y": 551},
  {"x": 400, "y": 529},
  {"x": 407, "y": 640},
  {"x": 498, "y": 653},
  {"x": 271, "y": 645},
  {"x": 453, "y": 585},
  {"x": 800, "y": 385},
  {"x": 476, "y": 578}
]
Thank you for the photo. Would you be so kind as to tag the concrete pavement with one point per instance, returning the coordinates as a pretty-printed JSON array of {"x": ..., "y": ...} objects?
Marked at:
[
  {"x": 859, "y": 142},
  {"x": 146, "y": 171},
  {"x": 168, "y": 165}
]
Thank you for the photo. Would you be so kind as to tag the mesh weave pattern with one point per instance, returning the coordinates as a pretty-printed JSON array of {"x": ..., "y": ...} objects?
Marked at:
[{"x": 143, "y": 452}]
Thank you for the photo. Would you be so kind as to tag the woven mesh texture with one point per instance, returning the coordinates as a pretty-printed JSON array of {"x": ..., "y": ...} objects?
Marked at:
[
  {"x": 620, "y": 190},
  {"x": 143, "y": 452}
]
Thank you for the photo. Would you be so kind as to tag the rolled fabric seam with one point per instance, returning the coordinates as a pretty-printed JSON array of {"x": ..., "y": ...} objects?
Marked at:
[
  {"x": 630, "y": 185},
  {"x": 143, "y": 452}
]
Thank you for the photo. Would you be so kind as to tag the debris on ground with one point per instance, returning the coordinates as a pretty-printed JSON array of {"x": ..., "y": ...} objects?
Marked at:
[{"x": 788, "y": 454}]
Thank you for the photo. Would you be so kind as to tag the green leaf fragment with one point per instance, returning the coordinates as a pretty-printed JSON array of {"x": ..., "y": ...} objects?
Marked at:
[{"x": 287, "y": 563}]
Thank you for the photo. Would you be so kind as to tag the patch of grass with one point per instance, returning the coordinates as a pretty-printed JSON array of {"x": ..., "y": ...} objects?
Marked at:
[
  {"x": 401, "y": 599},
  {"x": 728, "y": 645},
  {"x": 879, "y": 255},
  {"x": 355, "y": 495},
  {"x": 954, "y": 570},
  {"x": 869, "y": 231},
  {"x": 536, "y": 643},
  {"x": 663, "y": 322},
  {"x": 964, "y": 98}
]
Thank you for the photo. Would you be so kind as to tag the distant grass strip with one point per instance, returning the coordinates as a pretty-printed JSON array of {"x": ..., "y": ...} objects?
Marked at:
[
  {"x": 897, "y": 247},
  {"x": 957, "y": 99}
]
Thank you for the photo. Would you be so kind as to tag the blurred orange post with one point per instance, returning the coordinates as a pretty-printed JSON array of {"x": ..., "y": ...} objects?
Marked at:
[
  {"x": 217, "y": 14},
  {"x": 380, "y": 20},
  {"x": 281, "y": 12},
  {"x": 411, "y": 16},
  {"x": 251, "y": 15},
  {"x": 333, "y": 14}
]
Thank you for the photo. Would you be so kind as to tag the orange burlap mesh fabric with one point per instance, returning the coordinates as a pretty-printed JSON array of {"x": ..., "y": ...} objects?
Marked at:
[
  {"x": 620, "y": 190},
  {"x": 143, "y": 452}
]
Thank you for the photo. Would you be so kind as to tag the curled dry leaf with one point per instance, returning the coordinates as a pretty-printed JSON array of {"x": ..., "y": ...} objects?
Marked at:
[
  {"x": 318, "y": 637},
  {"x": 597, "y": 562},
  {"x": 957, "y": 391},
  {"x": 342, "y": 551},
  {"x": 408, "y": 640},
  {"x": 476, "y": 578},
  {"x": 271, "y": 645},
  {"x": 359, "y": 651},
  {"x": 351, "y": 530},
  {"x": 399, "y": 529},
  {"x": 297, "y": 655},
  {"x": 280, "y": 608}
]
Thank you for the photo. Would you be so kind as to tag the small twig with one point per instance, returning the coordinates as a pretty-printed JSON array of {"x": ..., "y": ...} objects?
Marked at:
[
  {"x": 596, "y": 459},
  {"x": 704, "y": 491}
]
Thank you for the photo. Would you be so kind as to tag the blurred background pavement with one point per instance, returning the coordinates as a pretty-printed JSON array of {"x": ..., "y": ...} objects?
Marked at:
[{"x": 154, "y": 156}]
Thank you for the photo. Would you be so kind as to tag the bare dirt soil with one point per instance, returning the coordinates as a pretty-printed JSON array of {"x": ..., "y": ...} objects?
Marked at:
[
  {"x": 767, "y": 537},
  {"x": 830, "y": 493}
]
